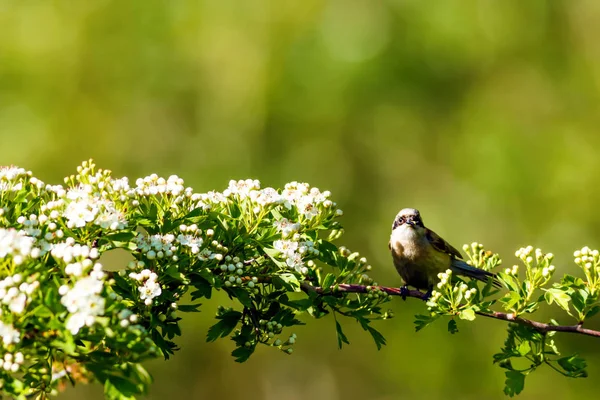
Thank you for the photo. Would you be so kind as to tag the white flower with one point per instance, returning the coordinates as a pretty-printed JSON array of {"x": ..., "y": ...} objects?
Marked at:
[
  {"x": 193, "y": 242},
  {"x": 153, "y": 185},
  {"x": 110, "y": 217},
  {"x": 286, "y": 227},
  {"x": 149, "y": 290},
  {"x": 75, "y": 322},
  {"x": 9, "y": 334},
  {"x": 293, "y": 192},
  {"x": 15, "y": 243},
  {"x": 242, "y": 188},
  {"x": 286, "y": 247},
  {"x": 17, "y": 304},
  {"x": 12, "y": 173},
  {"x": 83, "y": 301},
  {"x": 295, "y": 261},
  {"x": 75, "y": 269},
  {"x": 155, "y": 242},
  {"x": 266, "y": 196},
  {"x": 81, "y": 212},
  {"x": 306, "y": 205}
]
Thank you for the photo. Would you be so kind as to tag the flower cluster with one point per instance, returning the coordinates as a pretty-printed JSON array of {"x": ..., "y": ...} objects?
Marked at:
[
  {"x": 523, "y": 290},
  {"x": 243, "y": 189},
  {"x": 9, "y": 334},
  {"x": 589, "y": 261},
  {"x": 69, "y": 250},
  {"x": 82, "y": 208},
  {"x": 538, "y": 272},
  {"x": 17, "y": 244},
  {"x": 234, "y": 270},
  {"x": 452, "y": 299},
  {"x": 16, "y": 294},
  {"x": 170, "y": 246},
  {"x": 154, "y": 185},
  {"x": 12, "y": 362},
  {"x": 149, "y": 288},
  {"x": 293, "y": 252},
  {"x": 156, "y": 246},
  {"x": 257, "y": 244},
  {"x": 84, "y": 300},
  {"x": 481, "y": 258},
  {"x": 286, "y": 227},
  {"x": 11, "y": 178}
]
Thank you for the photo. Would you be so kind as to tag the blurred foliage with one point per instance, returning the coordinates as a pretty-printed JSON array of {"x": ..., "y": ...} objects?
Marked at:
[{"x": 482, "y": 116}]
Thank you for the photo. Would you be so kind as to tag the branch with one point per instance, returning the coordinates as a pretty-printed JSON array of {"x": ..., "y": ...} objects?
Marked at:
[{"x": 539, "y": 326}]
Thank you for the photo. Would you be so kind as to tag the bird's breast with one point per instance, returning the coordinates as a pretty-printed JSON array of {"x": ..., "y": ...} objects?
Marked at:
[{"x": 405, "y": 244}]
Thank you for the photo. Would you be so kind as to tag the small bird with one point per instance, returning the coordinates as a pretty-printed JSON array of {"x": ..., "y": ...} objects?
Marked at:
[{"x": 419, "y": 254}]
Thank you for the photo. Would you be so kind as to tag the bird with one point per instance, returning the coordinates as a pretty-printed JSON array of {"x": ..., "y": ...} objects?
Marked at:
[{"x": 419, "y": 255}]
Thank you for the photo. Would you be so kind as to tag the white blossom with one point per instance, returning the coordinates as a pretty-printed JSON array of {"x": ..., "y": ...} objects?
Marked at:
[
  {"x": 286, "y": 247},
  {"x": 286, "y": 227}
]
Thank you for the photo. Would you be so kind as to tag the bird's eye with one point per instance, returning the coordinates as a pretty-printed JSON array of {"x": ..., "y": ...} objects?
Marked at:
[{"x": 397, "y": 222}]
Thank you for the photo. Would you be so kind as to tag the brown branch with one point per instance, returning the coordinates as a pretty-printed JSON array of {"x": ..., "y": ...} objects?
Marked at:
[{"x": 539, "y": 326}]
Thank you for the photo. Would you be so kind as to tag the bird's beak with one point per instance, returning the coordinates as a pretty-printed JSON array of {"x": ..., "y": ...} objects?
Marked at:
[{"x": 410, "y": 222}]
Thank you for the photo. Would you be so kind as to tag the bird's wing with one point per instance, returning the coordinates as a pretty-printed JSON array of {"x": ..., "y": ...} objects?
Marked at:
[{"x": 441, "y": 245}]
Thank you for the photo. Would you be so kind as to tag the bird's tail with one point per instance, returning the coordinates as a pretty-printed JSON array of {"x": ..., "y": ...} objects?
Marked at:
[{"x": 460, "y": 267}]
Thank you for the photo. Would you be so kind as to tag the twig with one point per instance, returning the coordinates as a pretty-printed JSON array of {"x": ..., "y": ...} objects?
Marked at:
[{"x": 539, "y": 326}]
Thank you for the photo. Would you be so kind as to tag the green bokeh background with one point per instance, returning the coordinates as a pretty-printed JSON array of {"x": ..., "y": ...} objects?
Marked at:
[{"x": 483, "y": 115}]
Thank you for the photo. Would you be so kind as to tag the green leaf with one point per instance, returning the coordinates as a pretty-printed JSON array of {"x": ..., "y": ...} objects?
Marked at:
[
  {"x": 228, "y": 322},
  {"x": 65, "y": 343},
  {"x": 166, "y": 346},
  {"x": 592, "y": 311},
  {"x": 377, "y": 336},
  {"x": 300, "y": 304},
  {"x": 243, "y": 296},
  {"x": 328, "y": 281},
  {"x": 291, "y": 280},
  {"x": 340, "y": 335},
  {"x": 488, "y": 289},
  {"x": 552, "y": 346},
  {"x": 560, "y": 297},
  {"x": 273, "y": 255},
  {"x": 508, "y": 281},
  {"x": 524, "y": 348},
  {"x": 119, "y": 239},
  {"x": 42, "y": 311},
  {"x": 325, "y": 245},
  {"x": 452, "y": 326},
  {"x": 572, "y": 281},
  {"x": 196, "y": 212},
  {"x": 510, "y": 299},
  {"x": 422, "y": 321},
  {"x": 467, "y": 314},
  {"x": 118, "y": 388},
  {"x": 515, "y": 382},
  {"x": 203, "y": 288},
  {"x": 573, "y": 365},
  {"x": 189, "y": 307},
  {"x": 580, "y": 299},
  {"x": 142, "y": 375},
  {"x": 242, "y": 354},
  {"x": 173, "y": 271}
]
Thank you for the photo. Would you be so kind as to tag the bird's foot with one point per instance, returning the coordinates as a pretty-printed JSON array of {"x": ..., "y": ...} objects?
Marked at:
[
  {"x": 404, "y": 292},
  {"x": 427, "y": 295}
]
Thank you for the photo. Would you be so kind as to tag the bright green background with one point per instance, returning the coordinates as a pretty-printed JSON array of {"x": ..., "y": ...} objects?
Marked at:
[{"x": 484, "y": 116}]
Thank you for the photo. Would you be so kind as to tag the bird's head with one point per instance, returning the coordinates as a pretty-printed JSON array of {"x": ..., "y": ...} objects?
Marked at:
[{"x": 408, "y": 218}]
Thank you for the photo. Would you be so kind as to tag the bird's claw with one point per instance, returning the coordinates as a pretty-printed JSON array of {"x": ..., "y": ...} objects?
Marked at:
[
  {"x": 427, "y": 294},
  {"x": 404, "y": 292}
]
